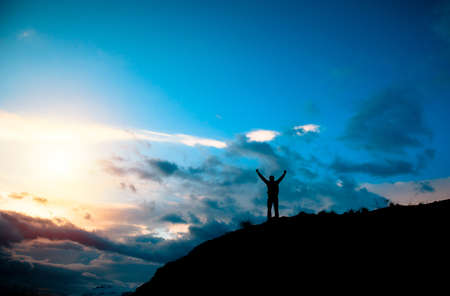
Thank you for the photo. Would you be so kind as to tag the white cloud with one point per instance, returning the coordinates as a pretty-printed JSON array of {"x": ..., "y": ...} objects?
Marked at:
[
  {"x": 301, "y": 130},
  {"x": 261, "y": 135},
  {"x": 14, "y": 127}
]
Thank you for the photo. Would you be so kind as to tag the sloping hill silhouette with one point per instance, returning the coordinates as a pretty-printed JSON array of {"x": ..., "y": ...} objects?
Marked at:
[{"x": 403, "y": 246}]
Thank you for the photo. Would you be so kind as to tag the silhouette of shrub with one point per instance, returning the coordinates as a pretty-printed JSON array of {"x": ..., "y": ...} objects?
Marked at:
[
  {"x": 245, "y": 224},
  {"x": 322, "y": 213},
  {"x": 391, "y": 204},
  {"x": 363, "y": 211}
]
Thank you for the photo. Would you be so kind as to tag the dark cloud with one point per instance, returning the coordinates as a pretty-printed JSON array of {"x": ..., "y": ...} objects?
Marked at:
[
  {"x": 260, "y": 150},
  {"x": 225, "y": 204},
  {"x": 61, "y": 245},
  {"x": 424, "y": 158},
  {"x": 273, "y": 158},
  {"x": 164, "y": 167},
  {"x": 173, "y": 218},
  {"x": 232, "y": 176},
  {"x": 212, "y": 170},
  {"x": 386, "y": 168},
  {"x": 18, "y": 276},
  {"x": 337, "y": 195},
  {"x": 67, "y": 268},
  {"x": 193, "y": 219},
  {"x": 424, "y": 187},
  {"x": 145, "y": 174},
  {"x": 388, "y": 122},
  {"x": 209, "y": 230},
  {"x": 441, "y": 25},
  {"x": 211, "y": 203},
  {"x": 122, "y": 170},
  {"x": 8, "y": 235},
  {"x": 17, "y": 228}
]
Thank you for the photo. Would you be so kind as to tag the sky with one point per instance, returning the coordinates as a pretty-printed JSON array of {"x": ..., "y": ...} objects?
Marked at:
[{"x": 130, "y": 131}]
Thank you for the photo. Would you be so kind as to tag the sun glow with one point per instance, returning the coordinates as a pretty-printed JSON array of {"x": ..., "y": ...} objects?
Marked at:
[{"x": 59, "y": 160}]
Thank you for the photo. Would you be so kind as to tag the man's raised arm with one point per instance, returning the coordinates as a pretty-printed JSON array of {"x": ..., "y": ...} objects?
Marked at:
[
  {"x": 261, "y": 176},
  {"x": 282, "y": 176}
]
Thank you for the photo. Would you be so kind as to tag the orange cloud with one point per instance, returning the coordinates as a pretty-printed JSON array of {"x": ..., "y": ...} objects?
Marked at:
[
  {"x": 40, "y": 199},
  {"x": 16, "y": 195}
]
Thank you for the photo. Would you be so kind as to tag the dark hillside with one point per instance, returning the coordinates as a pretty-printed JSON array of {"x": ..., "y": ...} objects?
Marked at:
[{"x": 327, "y": 252}]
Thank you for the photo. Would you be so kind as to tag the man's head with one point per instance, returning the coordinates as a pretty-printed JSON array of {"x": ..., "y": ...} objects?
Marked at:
[{"x": 271, "y": 178}]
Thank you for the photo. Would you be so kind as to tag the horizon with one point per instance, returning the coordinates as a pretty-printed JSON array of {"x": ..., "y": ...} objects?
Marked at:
[{"x": 131, "y": 132}]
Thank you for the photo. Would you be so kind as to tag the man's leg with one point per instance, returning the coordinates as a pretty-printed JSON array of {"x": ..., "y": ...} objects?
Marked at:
[
  {"x": 269, "y": 208},
  {"x": 275, "y": 205}
]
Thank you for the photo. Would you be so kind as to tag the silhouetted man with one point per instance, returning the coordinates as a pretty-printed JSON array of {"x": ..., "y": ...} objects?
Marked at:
[{"x": 272, "y": 192}]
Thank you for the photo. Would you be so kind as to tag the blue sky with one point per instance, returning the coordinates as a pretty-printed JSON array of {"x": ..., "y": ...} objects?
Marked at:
[
  {"x": 184, "y": 67},
  {"x": 142, "y": 123}
]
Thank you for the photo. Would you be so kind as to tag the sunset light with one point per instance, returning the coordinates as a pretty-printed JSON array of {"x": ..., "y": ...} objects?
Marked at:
[{"x": 60, "y": 160}]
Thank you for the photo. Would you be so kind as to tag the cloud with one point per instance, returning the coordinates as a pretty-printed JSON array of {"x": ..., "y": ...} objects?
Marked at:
[
  {"x": 22, "y": 195},
  {"x": 67, "y": 268},
  {"x": 216, "y": 182},
  {"x": 389, "y": 122},
  {"x": 441, "y": 26},
  {"x": 122, "y": 170},
  {"x": 211, "y": 172},
  {"x": 40, "y": 200},
  {"x": 16, "y": 195},
  {"x": 413, "y": 192},
  {"x": 124, "y": 185},
  {"x": 70, "y": 267},
  {"x": 225, "y": 187},
  {"x": 132, "y": 188},
  {"x": 424, "y": 157},
  {"x": 262, "y": 151},
  {"x": 163, "y": 167},
  {"x": 386, "y": 168},
  {"x": 302, "y": 130},
  {"x": 54, "y": 280},
  {"x": 145, "y": 174},
  {"x": 173, "y": 218},
  {"x": 26, "y": 128},
  {"x": 17, "y": 228},
  {"x": 194, "y": 141},
  {"x": 261, "y": 135},
  {"x": 424, "y": 187},
  {"x": 330, "y": 194}
]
